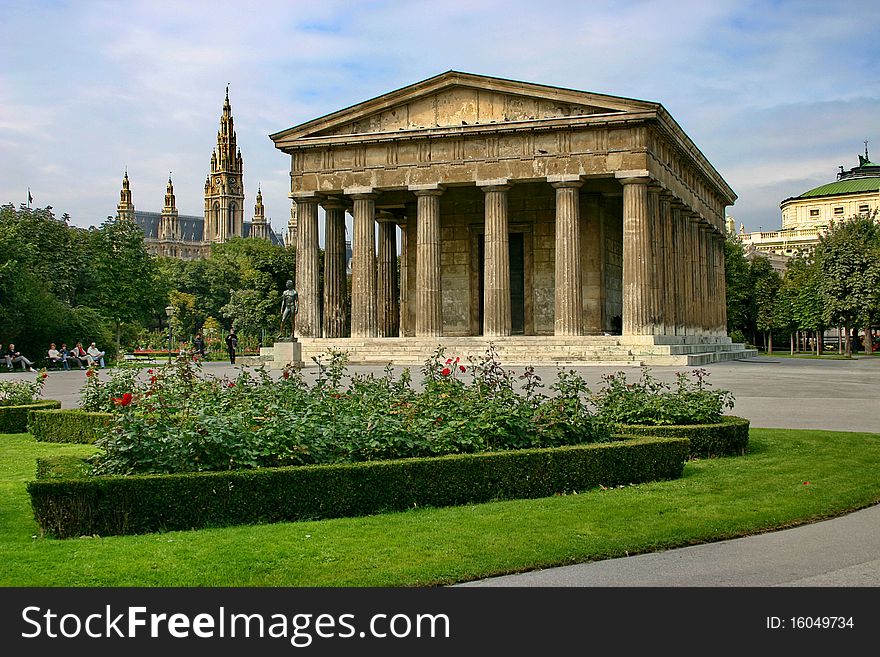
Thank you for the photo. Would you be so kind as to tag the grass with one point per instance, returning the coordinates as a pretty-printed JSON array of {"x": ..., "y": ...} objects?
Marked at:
[{"x": 789, "y": 477}]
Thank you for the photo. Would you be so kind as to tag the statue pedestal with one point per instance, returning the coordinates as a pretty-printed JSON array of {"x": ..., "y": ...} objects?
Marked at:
[{"x": 287, "y": 353}]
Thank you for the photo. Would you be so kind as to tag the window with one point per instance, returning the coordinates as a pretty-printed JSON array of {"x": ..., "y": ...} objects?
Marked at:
[
  {"x": 838, "y": 211},
  {"x": 814, "y": 213},
  {"x": 864, "y": 209}
]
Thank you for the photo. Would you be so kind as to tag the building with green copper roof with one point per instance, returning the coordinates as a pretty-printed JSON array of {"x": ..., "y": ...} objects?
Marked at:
[{"x": 807, "y": 216}]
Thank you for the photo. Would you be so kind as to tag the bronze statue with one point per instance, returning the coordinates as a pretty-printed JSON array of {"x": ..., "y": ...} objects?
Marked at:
[{"x": 289, "y": 308}]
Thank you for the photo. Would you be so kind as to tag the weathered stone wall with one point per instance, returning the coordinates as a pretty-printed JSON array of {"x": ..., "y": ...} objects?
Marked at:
[{"x": 612, "y": 229}]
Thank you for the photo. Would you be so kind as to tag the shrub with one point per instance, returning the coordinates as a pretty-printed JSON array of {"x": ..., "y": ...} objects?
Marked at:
[
  {"x": 652, "y": 402},
  {"x": 147, "y": 503},
  {"x": 19, "y": 393},
  {"x": 62, "y": 467},
  {"x": 97, "y": 395},
  {"x": 67, "y": 426},
  {"x": 14, "y": 419},
  {"x": 728, "y": 437},
  {"x": 181, "y": 421}
]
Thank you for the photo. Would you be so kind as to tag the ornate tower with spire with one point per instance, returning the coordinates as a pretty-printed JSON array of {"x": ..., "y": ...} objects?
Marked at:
[
  {"x": 259, "y": 227},
  {"x": 169, "y": 226},
  {"x": 125, "y": 209},
  {"x": 224, "y": 188}
]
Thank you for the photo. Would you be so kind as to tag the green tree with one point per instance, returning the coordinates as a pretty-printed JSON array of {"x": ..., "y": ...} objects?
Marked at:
[
  {"x": 125, "y": 281},
  {"x": 849, "y": 257},
  {"x": 738, "y": 282},
  {"x": 765, "y": 288}
]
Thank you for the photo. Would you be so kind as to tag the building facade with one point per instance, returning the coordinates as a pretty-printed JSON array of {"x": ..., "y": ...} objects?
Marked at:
[
  {"x": 188, "y": 237},
  {"x": 522, "y": 209},
  {"x": 806, "y": 217}
]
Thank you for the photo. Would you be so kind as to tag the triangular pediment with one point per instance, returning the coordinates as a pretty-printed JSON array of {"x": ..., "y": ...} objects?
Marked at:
[{"x": 456, "y": 99}]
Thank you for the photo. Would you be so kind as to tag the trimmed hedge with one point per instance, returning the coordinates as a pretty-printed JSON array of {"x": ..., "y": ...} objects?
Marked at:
[
  {"x": 66, "y": 426},
  {"x": 14, "y": 419},
  {"x": 729, "y": 437},
  {"x": 137, "y": 504}
]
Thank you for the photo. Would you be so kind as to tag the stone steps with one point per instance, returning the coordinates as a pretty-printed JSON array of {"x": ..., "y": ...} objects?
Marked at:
[{"x": 608, "y": 351}]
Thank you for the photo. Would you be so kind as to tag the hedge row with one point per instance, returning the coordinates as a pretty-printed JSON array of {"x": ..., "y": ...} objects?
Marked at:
[
  {"x": 62, "y": 467},
  {"x": 14, "y": 419},
  {"x": 117, "y": 505},
  {"x": 730, "y": 437},
  {"x": 66, "y": 426}
]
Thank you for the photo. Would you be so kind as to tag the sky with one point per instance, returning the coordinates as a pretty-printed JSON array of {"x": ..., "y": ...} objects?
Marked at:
[{"x": 776, "y": 95}]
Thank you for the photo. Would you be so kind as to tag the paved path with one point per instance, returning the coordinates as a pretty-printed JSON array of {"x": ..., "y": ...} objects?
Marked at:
[{"x": 771, "y": 392}]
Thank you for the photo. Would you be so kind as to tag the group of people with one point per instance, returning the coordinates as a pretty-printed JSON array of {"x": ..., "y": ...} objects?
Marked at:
[{"x": 82, "y": 357}]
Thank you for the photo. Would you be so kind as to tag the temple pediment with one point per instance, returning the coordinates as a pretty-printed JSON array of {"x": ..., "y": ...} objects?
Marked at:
[{"x": 456, "y": 99}]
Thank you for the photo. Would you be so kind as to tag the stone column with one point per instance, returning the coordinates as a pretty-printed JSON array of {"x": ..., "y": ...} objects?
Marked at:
[
  {"x": 667, "y": 264},
  {"x": 335, "y": 284},
  {"x": 403, "y": 282},
  {"x": 706, "y": 279},
  {"x": 387, "y": 310},
  {"x": 308, "y": 319},
  {"x": 654, "y": 267},
  {"x": 363, "y": 267},
  {"x": 637, "y": 264},
  {"x": 686, "y": 263},
  {"x": 699, "y": 283},
  {"x": 429, "y": 299},
  {"x": 569, "y": 286},
  {"x": 722, "y": 285},
  {"x": 496, "y": 277}
]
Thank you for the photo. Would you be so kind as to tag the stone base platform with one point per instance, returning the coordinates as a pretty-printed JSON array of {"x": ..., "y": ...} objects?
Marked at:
[{"x": 606, "y": 351}]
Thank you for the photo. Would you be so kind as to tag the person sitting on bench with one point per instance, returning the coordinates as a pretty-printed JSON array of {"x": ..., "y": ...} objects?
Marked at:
[
  {"x": 95, "y": 354},
  {"x": 56, "y": 358},
  {"x": 13, "y": 357},
  {"x": 73, "y": 356}
]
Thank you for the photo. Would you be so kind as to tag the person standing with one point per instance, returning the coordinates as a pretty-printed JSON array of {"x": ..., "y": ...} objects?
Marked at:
[
  {"x": 231, "y": 345},
  {"x": 199, "y": 347}
]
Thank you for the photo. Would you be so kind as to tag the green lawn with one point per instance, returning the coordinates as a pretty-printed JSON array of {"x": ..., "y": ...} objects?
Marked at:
[{"x": 787, "y": 478}]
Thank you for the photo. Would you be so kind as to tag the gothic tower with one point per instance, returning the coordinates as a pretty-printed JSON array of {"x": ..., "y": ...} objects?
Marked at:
[
  {"x": 259, "y": 227},
  {"x": 169, "y": 226},
  {"x": 125, "y": 209},
  {"x": 224, "y": 188}
]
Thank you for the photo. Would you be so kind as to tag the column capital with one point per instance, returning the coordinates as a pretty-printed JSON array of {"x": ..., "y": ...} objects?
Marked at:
[
  {"x": 565, "y": 180},
  {"x": 494, "y": 184},
  {"x": 333, "y": 203},
  {"x": 633, "y": 176},
  {"x": 433, "y": 189},
  {"x": 361, "y": 192},
  {"x": 386, "y": 217},
  {"x": 305, "y": 198},
  {"x": 567, "y": 184}
]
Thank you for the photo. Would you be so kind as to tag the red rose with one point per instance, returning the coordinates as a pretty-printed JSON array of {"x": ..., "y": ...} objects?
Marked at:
[
  {"x": 231, "y": 385},
  {"x": 446, "y": 371},
  {"x": 448, "y": 361},
  {"x": 90, "y": 373},
  {"x": 285, "y": 374},
  {"x": 462, "y": 368},
  {"x": 125, "y": 400}
]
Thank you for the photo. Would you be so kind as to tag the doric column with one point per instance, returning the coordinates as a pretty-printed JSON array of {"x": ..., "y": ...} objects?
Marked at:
[
  {"x": 685, "y": 264},
  {"x": 705, "y": 279},
  {"x": 666, "y": 265},
  {"x": 403, "y": 281},
  {"x": 637, "y": 260},
  {"x": 429, "y": 299},
  {"x": 308, "y": 318},
  {"x": 387, "y": 310},
  {"x": 569, "y": 286},
  {"x": 722, "y": 284},
  {"x": 335, "y": 284},
  {"x": 363, "y": 267},
  {"x": 699, "y": 259},
  {"x": 654, "y": 267},
  {"x": 496, "y": 277}
]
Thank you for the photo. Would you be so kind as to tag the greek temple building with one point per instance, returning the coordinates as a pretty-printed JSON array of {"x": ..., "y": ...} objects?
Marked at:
[{"x": 558, "y": 225}]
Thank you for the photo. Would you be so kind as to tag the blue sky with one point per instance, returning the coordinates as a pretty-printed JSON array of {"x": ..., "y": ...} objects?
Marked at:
[{"x": 775, "y": 94}]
